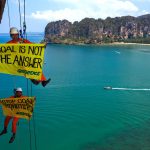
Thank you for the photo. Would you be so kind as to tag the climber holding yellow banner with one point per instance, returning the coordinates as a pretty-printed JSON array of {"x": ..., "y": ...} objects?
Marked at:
[
  {"x": 21, "y": 107},
  {"x": 22, "y": 59},
  {"x": 15, "y": 107}
]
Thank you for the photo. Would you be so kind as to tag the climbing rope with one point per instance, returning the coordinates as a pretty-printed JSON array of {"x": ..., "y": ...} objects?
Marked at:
[
  {"x": 24, "y": 22},
  {"x": 8, "y": 13},
  {"x": 34, "y": 125},
  {"x": 30, "y": 136},
  {"x": 20, "y": 31}
]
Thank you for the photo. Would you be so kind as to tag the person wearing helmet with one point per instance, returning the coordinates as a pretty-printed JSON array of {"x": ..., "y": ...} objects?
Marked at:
[
  {"x": 14, "y": 34},
  {"x": 17, "y": 93}
]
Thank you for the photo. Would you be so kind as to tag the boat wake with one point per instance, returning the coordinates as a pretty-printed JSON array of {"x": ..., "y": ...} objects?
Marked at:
[
  {"x": 117, "y": 52},
  {"x": 125, "y": 89},
  {"x": 130, "y": 89}
]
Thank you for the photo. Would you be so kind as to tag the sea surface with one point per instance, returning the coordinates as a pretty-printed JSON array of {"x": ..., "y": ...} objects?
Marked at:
[{"x": 74, "y": 111}]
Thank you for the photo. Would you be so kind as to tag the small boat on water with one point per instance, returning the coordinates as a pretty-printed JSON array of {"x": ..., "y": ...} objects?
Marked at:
[
  {"x": 117, "y": 52},
  {"x": 107, "y": 87}
]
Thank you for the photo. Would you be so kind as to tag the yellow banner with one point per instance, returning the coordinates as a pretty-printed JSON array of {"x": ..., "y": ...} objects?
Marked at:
[
  {"x": 18, "y": 107},
  {"x": 22, "y": 59}
]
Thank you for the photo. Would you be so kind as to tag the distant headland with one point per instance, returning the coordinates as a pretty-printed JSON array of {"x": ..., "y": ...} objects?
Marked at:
[{"x": 125, "y": 29}]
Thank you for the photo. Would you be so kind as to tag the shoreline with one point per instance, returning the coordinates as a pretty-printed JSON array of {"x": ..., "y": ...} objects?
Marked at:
[
  {"x": 123, "y": 43},
  {"x": 114, "y": 43}
]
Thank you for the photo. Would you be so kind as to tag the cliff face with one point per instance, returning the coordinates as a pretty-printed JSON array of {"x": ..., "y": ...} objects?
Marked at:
[
  {"x": 125, "y": 27},
  {"x": 58, "y": 28}
]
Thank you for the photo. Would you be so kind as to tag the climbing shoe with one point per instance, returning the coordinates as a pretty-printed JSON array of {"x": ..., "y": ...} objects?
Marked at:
[
  {"x": 44, "y": 83},
  {"x": 36, "y": 82},
  {"x": 12, "y": 138},
  {"x": 3, "y": 132}
]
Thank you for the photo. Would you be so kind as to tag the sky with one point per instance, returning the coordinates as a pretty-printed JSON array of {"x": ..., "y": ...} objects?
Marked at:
[{"x": 39, "y": 13}]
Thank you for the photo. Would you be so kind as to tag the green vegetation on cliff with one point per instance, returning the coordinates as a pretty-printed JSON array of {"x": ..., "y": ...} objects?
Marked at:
[{"x": 92, "y": 31}]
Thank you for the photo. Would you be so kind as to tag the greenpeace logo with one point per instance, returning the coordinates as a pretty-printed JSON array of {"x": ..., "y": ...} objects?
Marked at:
[
  {"x": 23, "y": 114},
  {"x": 28, "y": 72}
]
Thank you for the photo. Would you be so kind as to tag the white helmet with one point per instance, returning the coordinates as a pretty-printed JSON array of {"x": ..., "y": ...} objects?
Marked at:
[
  {"x": 14, "y": 30},
  {"x": 19, "y": 89}
]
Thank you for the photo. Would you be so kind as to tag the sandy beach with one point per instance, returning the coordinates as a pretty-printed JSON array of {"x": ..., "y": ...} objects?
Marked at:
[{"x": 123, "y": 43}]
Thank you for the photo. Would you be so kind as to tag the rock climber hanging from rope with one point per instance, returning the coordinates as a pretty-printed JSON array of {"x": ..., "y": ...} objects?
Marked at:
[
  {"x": 14, "y": 34},
  {"x": 17, "y": 93}
]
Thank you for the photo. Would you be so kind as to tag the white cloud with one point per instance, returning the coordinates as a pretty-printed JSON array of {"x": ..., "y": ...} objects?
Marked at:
[
  {"x": 145, "y": 12},
  {"x": 66, "y": 1},
  {"x": 50, "y": 15},
  {"x": 87, "y": 8}
]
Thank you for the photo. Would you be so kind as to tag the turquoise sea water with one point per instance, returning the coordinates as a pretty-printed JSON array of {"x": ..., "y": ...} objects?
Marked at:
[{"x": 74, "y": 112}]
